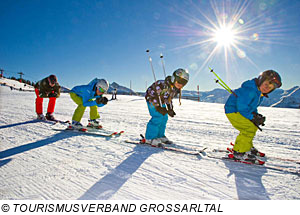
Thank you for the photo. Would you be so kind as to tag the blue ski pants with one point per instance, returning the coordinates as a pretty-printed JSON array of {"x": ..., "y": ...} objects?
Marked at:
[{"x": 157, "y": 125}]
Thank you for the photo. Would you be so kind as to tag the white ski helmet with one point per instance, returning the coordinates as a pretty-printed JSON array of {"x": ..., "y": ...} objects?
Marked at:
[
  {"x": 180, "y": 76},
  {"x": 102, "y": 85}
]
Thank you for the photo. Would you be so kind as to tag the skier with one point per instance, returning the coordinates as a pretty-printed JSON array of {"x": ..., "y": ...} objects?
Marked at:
[
  {"x": 241, "y": 111},
  {"x": 114, "y": 94},
  {"x": 46, "y": 88},
  {"x": 159, "y": 101},
  {"x": 90, "y": 95}
]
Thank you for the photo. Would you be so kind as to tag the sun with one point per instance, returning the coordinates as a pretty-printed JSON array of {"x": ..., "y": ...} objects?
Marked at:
[{"x": 224, "y": 36}]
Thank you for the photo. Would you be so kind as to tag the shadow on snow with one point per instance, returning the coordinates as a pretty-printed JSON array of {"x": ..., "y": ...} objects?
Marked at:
[
  {"x": 20, "y": 123},
  {"x": 37, "y": 144},
  {"x": 106, "y": 187},
  {"x": 248, "y": 180}
]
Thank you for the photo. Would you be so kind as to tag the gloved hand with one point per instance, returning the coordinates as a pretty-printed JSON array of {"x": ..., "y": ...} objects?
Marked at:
[
  {"x": 161, "y": 110},
  {"x": 171, "y": 112},
  {"x": 102, "y": 100},
  {"x": 258, "y": 119}
]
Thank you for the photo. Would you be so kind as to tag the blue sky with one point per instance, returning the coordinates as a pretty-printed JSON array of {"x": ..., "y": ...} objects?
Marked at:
[{"x": 81, "y": 40}]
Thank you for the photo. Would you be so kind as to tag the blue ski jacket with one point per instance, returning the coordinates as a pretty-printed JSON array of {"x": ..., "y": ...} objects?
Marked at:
[
  {"x": 88, "y": 93},
  {"x": 249, "y": 97}
]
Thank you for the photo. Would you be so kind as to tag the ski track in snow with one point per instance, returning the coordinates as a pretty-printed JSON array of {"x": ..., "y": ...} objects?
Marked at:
[{"x": 37, "y": 162}]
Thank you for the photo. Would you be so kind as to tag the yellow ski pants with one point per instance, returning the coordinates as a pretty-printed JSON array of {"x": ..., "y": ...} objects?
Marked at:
[
  {"x": 80, "y": 109},
  {"x": 247, "y": 129}
]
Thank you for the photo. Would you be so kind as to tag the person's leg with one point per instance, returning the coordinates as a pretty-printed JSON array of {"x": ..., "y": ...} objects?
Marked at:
[
  {"x": 243, "y": 142},
  {"x": 79, "y": 111},
  {"x": 153, "y": 126},
  {"x": 51, "y": 105},
  {"x": 38, "y": 103}
]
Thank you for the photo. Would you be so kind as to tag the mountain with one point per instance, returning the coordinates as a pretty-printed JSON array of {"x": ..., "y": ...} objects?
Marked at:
[
  {"x": 15, "y": 85},
  {"x": 291, "y": 100},
  {"x": 278, "y": 98},
  {"x": 214, "y": 96},
  {"x": 120, "y": 89}
]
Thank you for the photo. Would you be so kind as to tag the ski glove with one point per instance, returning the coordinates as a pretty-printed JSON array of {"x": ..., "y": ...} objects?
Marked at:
[
  {"x": 258, "y": 119},
  {"x": 161, "y": 110},
  {"x": 102, "y": 100},
  {"x": 171, "y": 113}
]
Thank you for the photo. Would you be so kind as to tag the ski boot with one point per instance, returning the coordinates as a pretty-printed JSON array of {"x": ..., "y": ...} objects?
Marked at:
[
  {"x": 254, "y": 151},
  {"x": 50, "y": 117},
  {"x": 76, "y": 126},
  {"x": 93, "y": 123},
  {"x": 154, "y": 142},
  {"x": 165, "y": 140},
  {"x": 245, "y": 157},
  {"x": 41, "y": 117}
]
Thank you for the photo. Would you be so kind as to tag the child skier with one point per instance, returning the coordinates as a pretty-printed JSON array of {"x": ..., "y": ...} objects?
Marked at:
[
  {"x": 159, "y": 100},
  {"x": 46, "y": 88},
  {"x": 241, "y": 110},
  {"x": 90, "y": 95}
]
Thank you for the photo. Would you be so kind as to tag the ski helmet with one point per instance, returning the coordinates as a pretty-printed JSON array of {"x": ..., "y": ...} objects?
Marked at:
[
  {"x": 270, "y": 75},
  {"x": 102, "y": 85},
  {"x": 180, "y": 76},
  {"x": 52, "y": 79}
]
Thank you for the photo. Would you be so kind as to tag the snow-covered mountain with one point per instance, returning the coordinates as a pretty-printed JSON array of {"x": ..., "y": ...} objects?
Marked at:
[
  {"x": 291, "y": 100},
  {"x": 278, "y": 98},
  {"x": 120, "y": 89},
  {"x": 15, "y": 85},
  {"x": 37, "y": 162}
]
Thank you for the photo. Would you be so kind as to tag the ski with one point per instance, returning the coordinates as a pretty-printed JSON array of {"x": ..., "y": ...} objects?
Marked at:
[
  {"x": 54, "y": 121},
  {"x": 87, "y": 132},
  {"x": 266, "y": 157},
  {"x": 167, "y": 148},
  {"x": 62, "y": 122},
  {"x": 267, "y": 166}
]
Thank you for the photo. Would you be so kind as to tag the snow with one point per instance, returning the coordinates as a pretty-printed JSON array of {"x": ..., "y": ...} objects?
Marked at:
[
  {"x": 16, "y": 84},
  {"x": 39, "y": 163}
]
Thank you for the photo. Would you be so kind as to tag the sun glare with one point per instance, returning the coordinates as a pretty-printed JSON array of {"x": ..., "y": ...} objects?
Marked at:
[
  {"x": 224, "y": 36},
  {"x": 229, "y": 27}
]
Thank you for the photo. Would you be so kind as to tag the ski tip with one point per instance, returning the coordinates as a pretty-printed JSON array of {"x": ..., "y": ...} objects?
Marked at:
[{"x": 121, "y": 132}]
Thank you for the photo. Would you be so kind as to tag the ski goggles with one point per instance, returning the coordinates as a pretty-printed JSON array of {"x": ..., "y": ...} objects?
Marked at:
[
  {"x": 181, "y": 81},
  {"x": 101, "y": 90},
  {"x": 275, "y": 82},
  {"x": 52, "y": 80}
]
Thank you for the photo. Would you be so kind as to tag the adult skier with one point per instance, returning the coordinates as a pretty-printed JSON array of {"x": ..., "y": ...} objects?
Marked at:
[
  {"x": 159, "y": 101},
  {"x": 114, "y": 94},
  {"x": 46, "y": 88},
  {"x": 241, "y": 111},
  {"x": 90, "y": 95}
]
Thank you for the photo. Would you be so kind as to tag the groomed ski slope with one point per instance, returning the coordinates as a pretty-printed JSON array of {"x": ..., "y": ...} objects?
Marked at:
[{"x": 37, "y": 162}]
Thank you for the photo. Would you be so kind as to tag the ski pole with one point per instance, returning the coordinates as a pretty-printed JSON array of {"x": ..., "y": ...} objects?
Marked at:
[
  {"x": 164, "y": 70},
  {"x": 163, "y": 64},
  {"x": 225, "y": 86},
  {"x": 222, "y": 83},
  {"x": 150, "y": 60}
]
